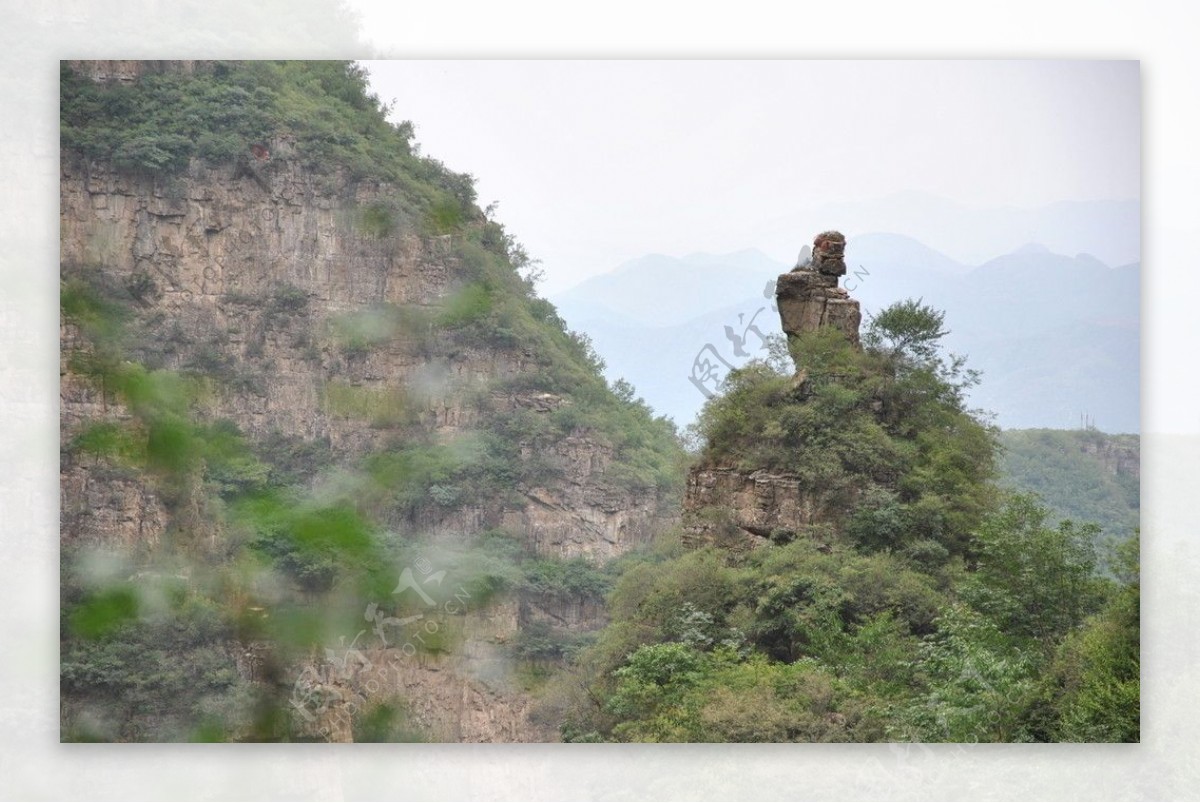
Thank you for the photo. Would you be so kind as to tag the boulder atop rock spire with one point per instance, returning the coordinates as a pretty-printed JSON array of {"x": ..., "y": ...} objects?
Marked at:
[{"x": 809, "y": 296}]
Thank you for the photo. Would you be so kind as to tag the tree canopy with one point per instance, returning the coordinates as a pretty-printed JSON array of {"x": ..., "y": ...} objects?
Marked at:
[{"x": 930, "y": 606}]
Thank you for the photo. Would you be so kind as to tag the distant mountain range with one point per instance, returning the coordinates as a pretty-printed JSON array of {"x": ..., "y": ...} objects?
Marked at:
[
  {"x": 1109, "y": 230},
  {"x": 1056, "y": 336},
  {"x": 657, "y": 290}
]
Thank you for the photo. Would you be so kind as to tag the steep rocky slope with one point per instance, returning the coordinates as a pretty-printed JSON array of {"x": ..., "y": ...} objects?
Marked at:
[
  {"x": 246, "y": 278},
  {"x": 368, "y": 339}
]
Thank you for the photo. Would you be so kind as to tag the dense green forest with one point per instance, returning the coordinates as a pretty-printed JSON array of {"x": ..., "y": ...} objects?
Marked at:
[
  {"x": 1084, "y": 475},
  {"x": 933, "y": 602},
  {"x": 936, "y": 606}
]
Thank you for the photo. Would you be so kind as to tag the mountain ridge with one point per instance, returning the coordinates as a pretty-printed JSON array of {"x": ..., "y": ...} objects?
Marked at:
[{"x": 972, "y": 233}]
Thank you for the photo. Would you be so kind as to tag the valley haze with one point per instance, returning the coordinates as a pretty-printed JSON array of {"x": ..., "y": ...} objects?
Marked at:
[{"x": 1055, "y": 335}]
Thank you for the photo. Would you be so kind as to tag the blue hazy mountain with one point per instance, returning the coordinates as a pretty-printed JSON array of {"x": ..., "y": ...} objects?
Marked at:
[
  {"x": 1056, "y": 336},
  {"x": 1110, "y": 229},
  {"x": 657, "y": 290}
]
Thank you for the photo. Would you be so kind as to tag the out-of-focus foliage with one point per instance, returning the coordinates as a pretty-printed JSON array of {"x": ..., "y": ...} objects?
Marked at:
[{"x": 153, "y": 669}]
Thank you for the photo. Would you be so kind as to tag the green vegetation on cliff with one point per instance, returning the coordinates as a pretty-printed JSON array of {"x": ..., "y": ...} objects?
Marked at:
[
  {"x": 274, "y": 546},
  {"x": 165, "y": 119},
  {"x": 882, "y": 434}
]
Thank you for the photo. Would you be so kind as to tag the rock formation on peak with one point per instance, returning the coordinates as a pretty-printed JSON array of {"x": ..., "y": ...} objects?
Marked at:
[
  {"x": 809, "y": 297},
  {"x": 739, "y": 509},
  {"x": 829, "y": 250}
]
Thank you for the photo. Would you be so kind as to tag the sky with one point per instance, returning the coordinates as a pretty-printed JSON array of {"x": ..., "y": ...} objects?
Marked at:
[{"x": 594, "y": 163}]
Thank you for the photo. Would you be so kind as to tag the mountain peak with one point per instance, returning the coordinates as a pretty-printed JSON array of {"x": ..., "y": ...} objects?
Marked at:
[{"x": 1032, "y": 248}]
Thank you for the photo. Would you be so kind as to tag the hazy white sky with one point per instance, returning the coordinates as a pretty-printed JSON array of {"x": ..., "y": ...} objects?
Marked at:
[{"x": 596, "y": 162}]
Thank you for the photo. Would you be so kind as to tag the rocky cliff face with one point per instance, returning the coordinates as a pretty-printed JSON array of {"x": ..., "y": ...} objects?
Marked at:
[
  {"x": 278, "y": 283},
  {"x": 244, "y": 274},
  {"x": 128, "y": 71},
  {"x": 1119, "y": 455},
  {"x": 469, "y": 695},
  {"x": 755, "y": 508}
]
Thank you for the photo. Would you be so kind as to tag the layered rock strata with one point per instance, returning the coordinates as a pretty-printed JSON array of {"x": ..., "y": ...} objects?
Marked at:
[
  {"x": 244, "y": 272},
  {"x": 809, "y": 297}
]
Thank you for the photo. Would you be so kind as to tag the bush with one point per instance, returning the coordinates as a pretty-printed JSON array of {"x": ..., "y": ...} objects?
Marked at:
[
  {"x": 315, "y": 544},
  {"x": 574, "y": 577},
  {"x": 101, "y": 313},
  {"x": 377, "y": 219},
  {"x": 150, "y": 674},
  {"x": 445, "y": 216},
  {"x": 386, "y": 722},
  {"x": 1034, "y": 581},
  {"x": 541, "y": 644},
  {"x": 287, "y": 299},
  {"x": 469, "y": 305}
]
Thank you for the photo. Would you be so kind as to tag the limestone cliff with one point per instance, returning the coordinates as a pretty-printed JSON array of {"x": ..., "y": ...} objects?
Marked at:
[
  {"x": 759, "y": 507},
  {"x": 129, "y": 71},
  {"x": 1119, "y": 455},
  {"x": 247, "y": 278},
  {"x": 309, "y": 304}
]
